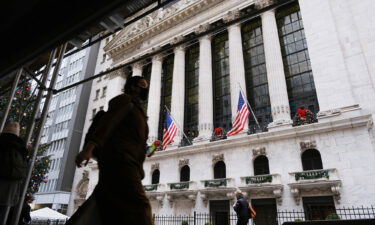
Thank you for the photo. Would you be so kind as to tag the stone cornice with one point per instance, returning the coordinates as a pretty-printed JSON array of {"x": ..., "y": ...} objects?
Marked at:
[
  {"x": 256, "y": 139},
  {"x": 147, "y": 27}
]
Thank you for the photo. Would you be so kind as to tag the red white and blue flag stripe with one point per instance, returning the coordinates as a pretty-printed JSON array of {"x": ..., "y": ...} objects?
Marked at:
[
  {"x": 241, "y": 118},
  {"x": 169, "y": 131}
]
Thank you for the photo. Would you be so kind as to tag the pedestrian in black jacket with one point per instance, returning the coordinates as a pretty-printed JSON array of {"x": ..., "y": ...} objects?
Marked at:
[{"x": 242, "y": 209}]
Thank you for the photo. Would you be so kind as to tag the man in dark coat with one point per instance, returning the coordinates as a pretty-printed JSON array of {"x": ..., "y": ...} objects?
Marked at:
[
  {"x": 120, "y": 141},
  {"x": 10, "y": 188},
  {"x": 242, "y": 209}
]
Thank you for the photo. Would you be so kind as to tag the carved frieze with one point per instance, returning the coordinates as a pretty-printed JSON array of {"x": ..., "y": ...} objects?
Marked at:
[
  {"x": 154, "y": 166},
  {"x": 308, "y": 144},
  {"x": 217, "y": 157},
  {"x": 259, "y": 151},
  {"x": 183, "y": 162}
]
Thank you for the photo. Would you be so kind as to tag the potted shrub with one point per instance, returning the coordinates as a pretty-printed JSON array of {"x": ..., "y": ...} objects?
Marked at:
[
  {"x": 333, "y": 216},
  {"x": 184, "y": 222}
]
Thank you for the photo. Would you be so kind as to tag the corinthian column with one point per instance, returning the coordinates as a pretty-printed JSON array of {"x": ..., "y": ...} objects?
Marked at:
[
  {"x": 275, "y": 72},
  {"x": 178, "y": 91},
  {"x": 236, "y": 68},
  {"x": 153, "y": 108},
  {"x": 205, "y": 101},
  {"x": 137, "y": 69}
]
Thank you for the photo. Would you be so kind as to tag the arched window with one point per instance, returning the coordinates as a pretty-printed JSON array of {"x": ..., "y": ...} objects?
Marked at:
[
  {"x": 219, "y": 170},
  {"x": 311, "y": 160},
  {"x": 261, "y": 165},
  {"x": 155, "y": 177},
  {"x": 185, "y": 173}
]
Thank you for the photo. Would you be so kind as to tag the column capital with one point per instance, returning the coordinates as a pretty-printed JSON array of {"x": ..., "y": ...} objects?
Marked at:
[
  {"x": 206, "y": 37},
  {"x": 158, "y": 58},
  {"x": 179, "y": 48},
  {"x": 137, "y": 65},
  {"x": 232, "y": 15},
  {"x": 259, "y": 4},
  {"x": 202, "y": 28},
  {"x": 177, "y": 39}
]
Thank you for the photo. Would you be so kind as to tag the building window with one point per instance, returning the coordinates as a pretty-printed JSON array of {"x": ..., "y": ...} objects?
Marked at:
[
  {"x": 221, "y": 83},
  {"x": 256, "y": 75},
  {"x": 155, "y": 177},
  {"x": 166, "y": 91},
  {"x": 93, "y": 114},
  {"x": 311, "y": 160},
  {"x": 185, "y": 173},
  {"x": 261, "y": 165},
  {"x": 97, "y": 94},
  {"x": 297, "y": 67},
  {"x": 318, "y": 208},
  {"x": 219, "y": 170},
  {"x": 104, "y": 57},
  {"x": 191, "y": 92},
  {"x": 104, "y": 93},
  {"x": 146, "y": 73}
]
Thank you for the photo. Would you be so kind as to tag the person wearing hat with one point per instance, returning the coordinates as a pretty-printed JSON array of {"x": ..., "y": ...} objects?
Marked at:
[{"x": 13, "y": 168}]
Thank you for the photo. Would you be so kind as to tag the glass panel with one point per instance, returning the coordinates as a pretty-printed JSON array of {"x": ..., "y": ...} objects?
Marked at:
[
  {"x": 256, "y": 74},
  {"x": 166, "y": 91},
  {"x": 299, "y": 79},
  {"x": 191, "y": 92},
  {"x": 146, "y": 73},
  {"x": 221, "y": 83}
]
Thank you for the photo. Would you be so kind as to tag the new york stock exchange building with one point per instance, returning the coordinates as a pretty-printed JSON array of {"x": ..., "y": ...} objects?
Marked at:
[{"x": 283, "y": 56}]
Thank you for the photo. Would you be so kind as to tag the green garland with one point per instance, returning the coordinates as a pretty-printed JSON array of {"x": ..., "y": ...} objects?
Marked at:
[
  {"x": 311, "y": 175},
  {"x": 215, "y": 183},
  {"x": 258, "y": 180},
  {"x": 152, "y": 187},
  {"x": 179, "y": 186}
]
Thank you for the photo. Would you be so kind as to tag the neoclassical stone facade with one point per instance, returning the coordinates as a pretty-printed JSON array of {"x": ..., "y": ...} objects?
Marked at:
[{"x": 273, "y": 164}]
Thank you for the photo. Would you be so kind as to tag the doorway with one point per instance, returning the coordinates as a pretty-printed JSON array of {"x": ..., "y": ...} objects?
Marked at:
[
  {"x": 318, "y": 208},
  {"x": 266, "y": 211},
  {"x": 219, "y": 211}
]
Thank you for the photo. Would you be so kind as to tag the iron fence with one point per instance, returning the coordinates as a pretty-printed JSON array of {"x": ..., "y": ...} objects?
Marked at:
[
  {"x": 271, "y": 218},
  {"x": 48, "y": 222},
  {"x": 262, "y": 218}
]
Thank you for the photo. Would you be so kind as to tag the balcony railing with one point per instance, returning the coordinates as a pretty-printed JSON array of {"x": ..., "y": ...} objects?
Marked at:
[
  {"x": 216, "y": 182},
  {"x": 151, "y": 187},
  {"x": 259, "y": 179},
  {"x": 322, "y": 174},
  {"x": 179, "y": 186},
  {"x": 313, "y": 174}
]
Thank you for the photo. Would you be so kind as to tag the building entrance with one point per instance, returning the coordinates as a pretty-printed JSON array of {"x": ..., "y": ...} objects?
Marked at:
[
  {"x": 318, "y": 208},
  {"x": 219, "y": 211},
  {"x": 266, "y": 211}
]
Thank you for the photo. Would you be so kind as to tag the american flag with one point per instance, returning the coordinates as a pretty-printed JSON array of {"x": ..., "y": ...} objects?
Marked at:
[
  {"x": 241, "y": 118},
  {"x": 169, "y": 131}
]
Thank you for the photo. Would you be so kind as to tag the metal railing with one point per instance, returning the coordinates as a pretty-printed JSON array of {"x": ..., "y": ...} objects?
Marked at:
[{"x": 262, "y": 218}]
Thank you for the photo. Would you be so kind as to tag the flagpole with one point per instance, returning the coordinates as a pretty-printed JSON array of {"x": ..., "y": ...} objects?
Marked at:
[
  {"x": 248, "y": 104},
  {"x": 178, "y": 126}
]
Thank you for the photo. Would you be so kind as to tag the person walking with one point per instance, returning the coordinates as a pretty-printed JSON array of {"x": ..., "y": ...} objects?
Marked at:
[
  {"x": 13, "y": 168},
  {"x": 241, "y": 207},
  {"x": 119, "y": 141}
]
